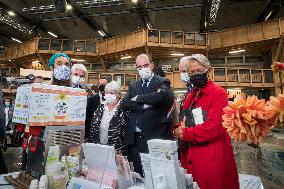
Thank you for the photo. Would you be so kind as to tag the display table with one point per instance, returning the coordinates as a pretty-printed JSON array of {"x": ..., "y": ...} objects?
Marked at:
[
  {"x": 246, "y": 181},
  {"x": 4, "y": 184}
]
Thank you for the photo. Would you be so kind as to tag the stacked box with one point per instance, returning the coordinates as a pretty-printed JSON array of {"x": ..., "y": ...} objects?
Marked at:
[{"x": 48, "y": 105}]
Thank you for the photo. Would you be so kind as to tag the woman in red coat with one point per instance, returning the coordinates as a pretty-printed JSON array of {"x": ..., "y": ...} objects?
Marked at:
[{"x": 206, "y": 151}]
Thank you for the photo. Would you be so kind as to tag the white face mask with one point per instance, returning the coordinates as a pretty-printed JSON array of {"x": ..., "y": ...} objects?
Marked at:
[
  {"x": 184, "y": 77},
  {"x": 62, "y": 73},
  {"x": 145, "y": 73},
  {"x": 109, "y": 98},
  {"x": 76, "y": 80},
  {"x": 7, "y": 103}
]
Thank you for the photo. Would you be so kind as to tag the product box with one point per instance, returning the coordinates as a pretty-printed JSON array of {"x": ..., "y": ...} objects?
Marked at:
[
  {"x": 47, "y": 105},
  {"x": 164, "y": 149}
]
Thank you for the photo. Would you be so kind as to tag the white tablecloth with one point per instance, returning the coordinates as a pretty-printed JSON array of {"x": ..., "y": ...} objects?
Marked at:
[
  {"x": 246, "y": 181},
  {"x": 3, "y": 183}
]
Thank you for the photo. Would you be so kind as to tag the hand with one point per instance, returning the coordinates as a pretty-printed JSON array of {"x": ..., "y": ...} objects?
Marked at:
[
  {"x": 146, "y": 106},
  {"x": 134, "y": 98},
  {"x": 178, "y": 132},
  {"x": 2, "y": 140}
]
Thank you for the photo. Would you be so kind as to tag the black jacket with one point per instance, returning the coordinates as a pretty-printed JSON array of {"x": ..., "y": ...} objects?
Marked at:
[
  {"x": 2, "y": 120},
  {"x": 92, "y": 104},
  {"x": 152, "y": 122}
]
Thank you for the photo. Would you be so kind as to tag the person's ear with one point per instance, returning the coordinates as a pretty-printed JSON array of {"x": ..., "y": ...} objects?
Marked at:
[
  {"x": 209, "y": 69},
  {"x": 152, "y": 65}
]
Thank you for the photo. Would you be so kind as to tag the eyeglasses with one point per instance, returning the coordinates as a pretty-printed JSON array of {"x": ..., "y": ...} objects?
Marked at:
[
  {"x": 197, "y": 72},
  {"x": 144, "y": 66}
]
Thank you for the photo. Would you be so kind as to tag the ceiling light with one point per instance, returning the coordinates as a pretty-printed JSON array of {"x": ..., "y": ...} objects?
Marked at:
[
  {"x": 35, "y": 62},
  {"x": 17, "y": 40},
  {"x": 134, "y": 1},
  {"x": 101, "y": 33},
  {"x": 177, "y": 54},
  {"x": 148, "y": 26},
  {"x": 69, "y": 7},
  {"x": 237, "y": 51},
  {"x": 10, "y": 60},
  {"x": 269, "y": 14},
  {"x": 77, "y": 60},
  {"x": 50, "y": 33},
  {"x": 11, "y": 13},
  {"x": 125, "y": 57}
]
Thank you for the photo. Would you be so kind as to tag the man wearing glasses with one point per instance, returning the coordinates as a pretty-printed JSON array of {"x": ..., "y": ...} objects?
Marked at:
[
  {"x": 148, "y": 102},
  {"x": 206, "y": 146}
]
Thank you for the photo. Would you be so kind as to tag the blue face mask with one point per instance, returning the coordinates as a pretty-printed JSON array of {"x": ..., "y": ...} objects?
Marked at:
[
  {"x": 184, "y": 77},
  {"x": 62, "y": 73}
]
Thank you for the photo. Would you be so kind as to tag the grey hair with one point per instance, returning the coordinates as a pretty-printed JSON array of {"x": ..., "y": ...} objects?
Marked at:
[
  {"x": 185, "y": 60},
  {"x": 113, "y": 87},
  {"x": 80, "y": 67}
]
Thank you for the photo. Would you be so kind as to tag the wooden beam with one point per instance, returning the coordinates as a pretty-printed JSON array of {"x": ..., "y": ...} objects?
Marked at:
[
  {"x": 279, "y": 48},
  {"x": 103, "y": 63}
]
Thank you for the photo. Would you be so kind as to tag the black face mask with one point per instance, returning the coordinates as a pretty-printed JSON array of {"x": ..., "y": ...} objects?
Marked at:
[
  {"x": 102, "y": 88},
  {"x": 199, "y": 80}
]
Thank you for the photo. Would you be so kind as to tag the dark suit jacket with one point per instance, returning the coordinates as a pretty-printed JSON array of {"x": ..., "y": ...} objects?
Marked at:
[
  {"x": 2, "y": 120},
  {"x": 152, "y": 122},
  {"x": 93, "y": 103}
]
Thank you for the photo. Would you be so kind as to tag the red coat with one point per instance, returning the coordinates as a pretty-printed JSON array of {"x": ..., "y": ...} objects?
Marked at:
[{"x": 209, "y": 155}]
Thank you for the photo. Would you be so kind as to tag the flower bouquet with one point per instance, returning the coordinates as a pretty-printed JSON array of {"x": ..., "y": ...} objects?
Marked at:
[{"x": 248, "y": 120}]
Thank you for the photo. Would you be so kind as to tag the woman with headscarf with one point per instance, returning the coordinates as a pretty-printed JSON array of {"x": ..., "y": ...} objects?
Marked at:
[{"x": 109, "y": 121}]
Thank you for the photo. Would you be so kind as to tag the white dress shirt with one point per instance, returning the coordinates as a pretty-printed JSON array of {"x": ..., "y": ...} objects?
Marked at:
[{"x": 107, "y": 116}]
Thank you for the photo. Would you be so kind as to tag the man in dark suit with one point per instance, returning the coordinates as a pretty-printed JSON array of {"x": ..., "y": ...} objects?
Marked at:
[
  {"x": 148, "y": 102},
  {"x": 92, "y": 104}
]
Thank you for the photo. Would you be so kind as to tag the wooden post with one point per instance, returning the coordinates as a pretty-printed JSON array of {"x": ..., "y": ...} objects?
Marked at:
[
  {"x": 61, "y": 46},
  {"x": 275, "y": 59},
  {"x": 124, "y": 82},
  {"x": 159, "y": 37},
  {"x": 103, "y": 63},
  {"x": 262, "y": 76},
  {"x": 238, "y": 72},
  {"x": 226, "y": 75},
  {"x": 279, "y": 48},
  {"x": 49, "y": 45},
  {"x": 213, "y": 75},
  {"x": 250, "y": 76}
]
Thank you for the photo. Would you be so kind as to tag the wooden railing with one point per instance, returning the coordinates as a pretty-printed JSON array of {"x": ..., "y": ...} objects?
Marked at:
[
  {"x": 22, "y": 49},
  {"x": 246, "y": 34},
  {"x": 242, "y": 77},
  {"x": 226, "y": 77},
  {"x": 157, "y": 38},
  {"x": 116, "y": 44},
  {"x": 166, "y": 38},
  {"x": 121, "y": 43},
  {"x": 76, "y": 47}
]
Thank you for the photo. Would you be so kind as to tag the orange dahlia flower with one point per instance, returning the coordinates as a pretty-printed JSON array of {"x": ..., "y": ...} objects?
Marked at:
[
  {"x": 277, "y": 105},
  {"x": 248, "y": 120}
]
